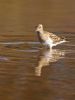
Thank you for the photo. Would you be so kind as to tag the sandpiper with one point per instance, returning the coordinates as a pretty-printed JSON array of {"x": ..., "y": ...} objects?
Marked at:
[{"x": 48, "y": 39}]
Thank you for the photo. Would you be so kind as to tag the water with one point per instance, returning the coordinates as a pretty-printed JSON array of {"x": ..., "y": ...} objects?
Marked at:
[{"x": 27, "y": 70}]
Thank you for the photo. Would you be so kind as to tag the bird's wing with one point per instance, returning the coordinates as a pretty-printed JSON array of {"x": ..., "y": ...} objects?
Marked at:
[{"x": 54, "y": 37}]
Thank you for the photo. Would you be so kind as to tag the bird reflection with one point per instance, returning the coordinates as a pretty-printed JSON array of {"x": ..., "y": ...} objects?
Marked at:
[{"x": 48, "y": 56}]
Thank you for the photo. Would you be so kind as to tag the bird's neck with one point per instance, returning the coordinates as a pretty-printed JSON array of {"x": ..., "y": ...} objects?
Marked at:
[{"x": 41, "y": 32}]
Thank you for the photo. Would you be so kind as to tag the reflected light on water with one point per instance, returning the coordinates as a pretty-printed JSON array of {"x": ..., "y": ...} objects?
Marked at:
[{"x": 48, "y": 56}]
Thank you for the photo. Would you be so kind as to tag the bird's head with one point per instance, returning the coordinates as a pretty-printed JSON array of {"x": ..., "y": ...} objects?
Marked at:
[{"x": 39, "y": 28}]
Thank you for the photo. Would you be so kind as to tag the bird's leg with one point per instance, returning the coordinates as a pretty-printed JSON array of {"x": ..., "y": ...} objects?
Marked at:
[{"x": 51, "y": 47}]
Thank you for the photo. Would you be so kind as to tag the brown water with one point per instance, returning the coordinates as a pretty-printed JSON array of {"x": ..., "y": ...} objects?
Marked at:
[{"x": 28, "y": 71}]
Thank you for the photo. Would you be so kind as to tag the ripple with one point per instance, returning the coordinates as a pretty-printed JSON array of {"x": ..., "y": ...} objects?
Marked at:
[
  {"x": 19, "y": 42},
  {"x": 28, "y": 50},
  {"x": 69, "y": 51},
  {"x": 12, "y": 42},
  {"x": 2, "y": 58},
  {"x": 32, "y": 42},
  {"x": 73, "y": 45}
]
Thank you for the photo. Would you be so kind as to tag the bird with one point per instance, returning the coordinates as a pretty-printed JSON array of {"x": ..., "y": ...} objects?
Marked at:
[{"x": 48, "y": 39}]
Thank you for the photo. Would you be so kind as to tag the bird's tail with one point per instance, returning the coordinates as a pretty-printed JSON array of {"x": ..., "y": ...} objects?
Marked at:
[{"x": 60, "y": 42}]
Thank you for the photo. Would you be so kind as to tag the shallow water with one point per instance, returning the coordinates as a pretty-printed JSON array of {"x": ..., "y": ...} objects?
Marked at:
[{"x": 27, "y": 70}]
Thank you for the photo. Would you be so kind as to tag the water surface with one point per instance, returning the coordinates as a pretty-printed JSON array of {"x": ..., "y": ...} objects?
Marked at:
[{"x": 27, "y": 70}]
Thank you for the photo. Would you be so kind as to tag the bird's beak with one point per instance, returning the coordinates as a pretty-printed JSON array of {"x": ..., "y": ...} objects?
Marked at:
[
  {"x": 36, "y": 30},
  {"x": 36, "y": 26}
]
